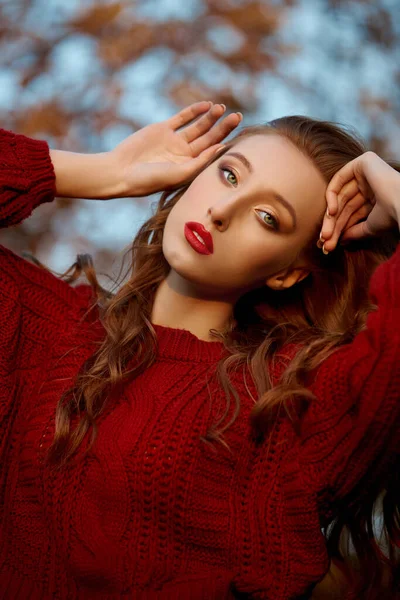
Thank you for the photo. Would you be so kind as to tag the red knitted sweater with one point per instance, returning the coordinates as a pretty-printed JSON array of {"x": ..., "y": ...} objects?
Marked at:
[{"x": 153, "y": 512}]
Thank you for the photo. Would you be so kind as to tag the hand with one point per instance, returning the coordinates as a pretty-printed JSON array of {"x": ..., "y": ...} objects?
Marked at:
[
  {"x": 160, "y": 157},
  {"x": 366, "y": 189}
]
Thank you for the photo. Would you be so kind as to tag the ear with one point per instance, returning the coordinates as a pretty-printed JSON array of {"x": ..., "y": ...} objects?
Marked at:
[{"x": 286, "y": 279}]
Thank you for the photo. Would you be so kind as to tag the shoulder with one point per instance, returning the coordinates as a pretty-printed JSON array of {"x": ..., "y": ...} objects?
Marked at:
[
  {"x": 36, "y": 307},
  {"x": 35, "y": 285}
]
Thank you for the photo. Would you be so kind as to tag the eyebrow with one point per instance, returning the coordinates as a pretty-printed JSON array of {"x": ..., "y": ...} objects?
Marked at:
[
  {"x": 277, "y": 196},
  {"x": 242, "y": 159}
]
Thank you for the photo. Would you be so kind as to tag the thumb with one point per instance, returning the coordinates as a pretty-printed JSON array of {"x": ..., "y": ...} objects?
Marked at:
[{"x": 357, "y": 232}]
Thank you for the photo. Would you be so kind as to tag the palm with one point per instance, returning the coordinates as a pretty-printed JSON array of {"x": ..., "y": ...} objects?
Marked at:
[
  {"x": 159, "y": 143},
  {"x": 163, "y": 155}
]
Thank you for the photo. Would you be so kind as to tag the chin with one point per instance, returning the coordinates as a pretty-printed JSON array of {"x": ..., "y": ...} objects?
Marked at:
[
  {"x": 182, "y": 258},
  {"x": 186, "y": 270}
]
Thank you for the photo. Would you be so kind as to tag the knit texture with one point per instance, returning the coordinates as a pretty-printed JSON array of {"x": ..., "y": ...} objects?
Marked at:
[{"x": 153, "y": 512}]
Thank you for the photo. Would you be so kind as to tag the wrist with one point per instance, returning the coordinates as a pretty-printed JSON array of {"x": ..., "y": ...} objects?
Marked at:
[
  {"x": 87, "y": 175},
  {"x": 110, "y": 176}
]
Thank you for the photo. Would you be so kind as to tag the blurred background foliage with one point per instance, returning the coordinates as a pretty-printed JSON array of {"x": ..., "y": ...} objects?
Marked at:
[{"x": 84, "y": 74}]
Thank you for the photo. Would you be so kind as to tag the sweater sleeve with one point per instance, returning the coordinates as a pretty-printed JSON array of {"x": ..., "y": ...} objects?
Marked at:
[
  {"x": 27, "y": 177},
  {"x": 351, "y": 430},
  {"x": 34, "y": 304}
]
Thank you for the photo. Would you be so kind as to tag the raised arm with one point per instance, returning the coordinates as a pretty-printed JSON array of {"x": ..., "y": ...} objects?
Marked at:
[
  {"x": 352, "y": 429},
  {"x": 155, "y": 158},
  {"x": 158, "y": 157},
  {"x": 354, "y": 424}
]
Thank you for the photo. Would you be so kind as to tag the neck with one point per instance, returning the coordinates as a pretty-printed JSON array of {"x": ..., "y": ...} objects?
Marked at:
[{"x": 177, "y": 304}]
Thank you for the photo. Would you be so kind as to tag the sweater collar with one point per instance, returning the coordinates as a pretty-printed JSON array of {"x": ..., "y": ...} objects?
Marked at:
[{"x": 181, "y": 344}]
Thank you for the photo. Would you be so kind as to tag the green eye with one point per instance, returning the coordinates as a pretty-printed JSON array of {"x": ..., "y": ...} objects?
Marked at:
[
  {"x": 268, "y": 218},
  {"x": 229, "y": 176}
]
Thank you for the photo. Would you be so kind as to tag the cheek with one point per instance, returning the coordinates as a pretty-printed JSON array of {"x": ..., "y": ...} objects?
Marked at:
[
  {"x": 171, "y": 235},
  {"x": 257, "y": 268},
  {"x": 176, "y": 220},
  {"x": 260, "y": 262},
  {"x": 190, "y": 207},
  {"x": 248, "y": 264},
  {"x": 176, "y": 250}
]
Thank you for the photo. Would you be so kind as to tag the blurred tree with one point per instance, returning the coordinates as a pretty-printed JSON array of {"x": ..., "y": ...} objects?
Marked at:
[
  {"x": 86, "y": 73},
  {"x": 81, "y": 75}
]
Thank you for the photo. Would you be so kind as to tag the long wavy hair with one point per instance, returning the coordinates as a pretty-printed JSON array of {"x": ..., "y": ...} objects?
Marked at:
[{"x": 323, "y": 312}]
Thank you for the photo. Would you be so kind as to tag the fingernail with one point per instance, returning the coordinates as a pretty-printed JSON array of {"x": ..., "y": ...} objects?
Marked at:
[
  {"x": 240, "y": 115},
  {"x": 223, "y": 106},
  {"x": 218, "y": 149},
  {"x": 324, "y": 251},
  {"x": 327, "y": 213},
  {"x": 320, "y": 241}
]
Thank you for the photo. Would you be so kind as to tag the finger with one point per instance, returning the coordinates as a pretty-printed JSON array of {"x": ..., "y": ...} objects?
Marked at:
[
  {"x": 186, "y": 115},
  {"x": 347, "y": 210},
  {"x": 347, "y": 221},
  {"x": 362, "y": 181},
  {"x": 347, "y": 193},
  {"x": 349, "y": 200},
  {"x": 361, "y": 214},
  {"x": 216, "y": 134},
  {"x": 194, "y": 165},
  {"x": 328, "y": 227},
  {"x": 333, "y": 226},
  {"x": 351, "y": 208},
  {"x": 338, "y": 181},
  {"x": 203, "y": 124}
]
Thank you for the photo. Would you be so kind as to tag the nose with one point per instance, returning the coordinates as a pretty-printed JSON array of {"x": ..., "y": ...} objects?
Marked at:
[
  {"x": 222, "y": 211},
  {"x": 219, "y": 223}
]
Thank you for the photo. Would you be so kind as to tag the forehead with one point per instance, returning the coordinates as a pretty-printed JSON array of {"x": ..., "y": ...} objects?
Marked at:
[{"x": 278, "y": 164}]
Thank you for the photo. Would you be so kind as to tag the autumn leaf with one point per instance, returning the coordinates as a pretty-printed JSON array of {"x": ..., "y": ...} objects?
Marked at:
[{"x": 96, "y": 18}]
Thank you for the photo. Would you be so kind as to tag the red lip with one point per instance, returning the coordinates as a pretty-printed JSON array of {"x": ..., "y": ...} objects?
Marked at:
[{"x": 207, "y": 247}]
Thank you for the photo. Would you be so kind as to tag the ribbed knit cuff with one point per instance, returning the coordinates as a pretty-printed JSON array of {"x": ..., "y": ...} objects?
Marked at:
[
  {"x": 27, "y": 176},
  {"x": 34, "y": 157}
]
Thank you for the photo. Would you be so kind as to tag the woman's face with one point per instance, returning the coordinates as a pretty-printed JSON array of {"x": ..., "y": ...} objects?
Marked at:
[{"x": 260, "y": 203}]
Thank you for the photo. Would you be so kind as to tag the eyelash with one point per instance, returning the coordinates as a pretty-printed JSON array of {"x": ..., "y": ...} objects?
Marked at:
[
  {"x": 276, "y": 222},
  {"x": 224, "y": 168}
]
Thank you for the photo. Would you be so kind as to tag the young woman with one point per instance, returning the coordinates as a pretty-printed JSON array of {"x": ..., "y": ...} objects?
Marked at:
[{"x": 241, "y": 389}]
